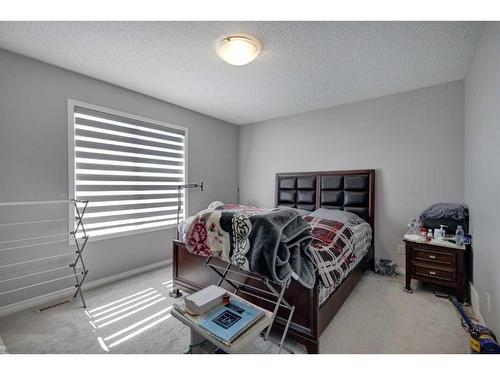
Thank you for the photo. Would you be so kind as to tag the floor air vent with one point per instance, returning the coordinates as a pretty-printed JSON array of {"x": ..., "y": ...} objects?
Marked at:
[{"x": 54, "y": 305}]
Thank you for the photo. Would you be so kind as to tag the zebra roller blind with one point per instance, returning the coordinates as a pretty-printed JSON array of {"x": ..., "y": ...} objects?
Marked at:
[{"x": 128, "y": 168}]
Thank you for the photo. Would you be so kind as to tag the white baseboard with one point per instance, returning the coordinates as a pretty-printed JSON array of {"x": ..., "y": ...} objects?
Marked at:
[
  {"x": 474, "y": 300},
  {"x": 63, "y": 293}
]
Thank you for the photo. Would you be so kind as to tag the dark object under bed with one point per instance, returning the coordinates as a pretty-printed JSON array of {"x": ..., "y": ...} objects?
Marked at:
[{"x": 352, "y": 191}]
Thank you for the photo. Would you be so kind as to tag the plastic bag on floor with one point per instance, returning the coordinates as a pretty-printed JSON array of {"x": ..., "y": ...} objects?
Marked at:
[{"x": 385, "y": 267}]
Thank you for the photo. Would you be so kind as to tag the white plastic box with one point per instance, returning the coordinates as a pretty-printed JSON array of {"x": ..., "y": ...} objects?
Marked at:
[{"x": 204, "y": 300}]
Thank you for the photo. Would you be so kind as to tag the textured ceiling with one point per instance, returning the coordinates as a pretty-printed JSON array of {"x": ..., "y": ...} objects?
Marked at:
[{"x": 303, "y": 66}]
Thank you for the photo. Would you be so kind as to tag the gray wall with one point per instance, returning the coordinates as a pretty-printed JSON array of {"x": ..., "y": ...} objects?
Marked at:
[
  {"x": 33, "y": 160},
  {"x": 414, "y": 140},
  {"x": 482, "y": 171}
]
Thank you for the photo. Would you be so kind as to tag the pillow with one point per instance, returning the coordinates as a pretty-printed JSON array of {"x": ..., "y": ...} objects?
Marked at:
[
  {"x": 337, "y": 215},
  {"x": 301, "y": 212}
]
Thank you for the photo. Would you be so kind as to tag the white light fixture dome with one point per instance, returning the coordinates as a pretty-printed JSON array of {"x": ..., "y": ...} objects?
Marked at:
[{"x": 239, "y": 49}]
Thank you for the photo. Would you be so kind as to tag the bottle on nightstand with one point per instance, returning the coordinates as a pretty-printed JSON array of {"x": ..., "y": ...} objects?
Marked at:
[
  {"x": 429, "y": 235},
  {"x": 459, "y": 236}
]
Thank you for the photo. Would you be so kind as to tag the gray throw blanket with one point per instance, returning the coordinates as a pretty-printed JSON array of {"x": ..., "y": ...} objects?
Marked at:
[
  {"x": 271, "y": 242},
  {"x": 445, "y": 211}
]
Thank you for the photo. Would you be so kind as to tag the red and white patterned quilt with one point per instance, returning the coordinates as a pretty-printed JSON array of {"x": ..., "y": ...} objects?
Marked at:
[{"x": 337, "y": 248}]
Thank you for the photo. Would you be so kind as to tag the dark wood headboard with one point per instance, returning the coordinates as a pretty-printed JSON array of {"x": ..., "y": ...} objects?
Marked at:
[{"x": 352, "y": 191}]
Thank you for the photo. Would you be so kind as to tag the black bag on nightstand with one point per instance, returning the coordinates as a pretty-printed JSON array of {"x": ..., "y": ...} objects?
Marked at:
[{"x": 449, "y": 214}]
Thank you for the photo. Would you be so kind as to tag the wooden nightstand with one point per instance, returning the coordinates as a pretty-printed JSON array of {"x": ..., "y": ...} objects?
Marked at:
[{"x": 436, "y": 263}]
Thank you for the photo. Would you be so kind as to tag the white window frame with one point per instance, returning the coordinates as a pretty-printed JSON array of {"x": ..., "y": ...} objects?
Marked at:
[{"x": 72, "y": 165}]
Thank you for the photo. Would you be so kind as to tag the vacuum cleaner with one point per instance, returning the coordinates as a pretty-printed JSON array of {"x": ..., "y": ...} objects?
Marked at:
[{"x": 482, "y": 339}]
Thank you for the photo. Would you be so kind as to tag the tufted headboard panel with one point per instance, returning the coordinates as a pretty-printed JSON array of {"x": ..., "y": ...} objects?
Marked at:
[{"x": 352, "y": 191}]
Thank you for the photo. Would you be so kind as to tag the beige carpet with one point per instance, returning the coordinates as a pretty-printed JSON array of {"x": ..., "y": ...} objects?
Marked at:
[{"x": 132, "y": 316}]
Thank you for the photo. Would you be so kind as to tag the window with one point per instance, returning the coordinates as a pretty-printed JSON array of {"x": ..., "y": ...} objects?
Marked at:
[{"x": 127, "y": 167}]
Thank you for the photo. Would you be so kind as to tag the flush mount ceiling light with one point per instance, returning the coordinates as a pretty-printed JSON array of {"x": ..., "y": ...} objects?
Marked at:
[{"x": 239, "y": 49}]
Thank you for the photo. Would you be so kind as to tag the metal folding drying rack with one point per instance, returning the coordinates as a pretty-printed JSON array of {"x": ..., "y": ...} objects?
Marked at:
[
  {"x": 273, "y": 295},
  {"x": 78, "y": 266}
]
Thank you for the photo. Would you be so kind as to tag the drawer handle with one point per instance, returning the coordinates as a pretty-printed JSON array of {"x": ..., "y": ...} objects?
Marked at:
[
  {"x": 432, "y": 273},
  {"x": 432, "y": 257}
]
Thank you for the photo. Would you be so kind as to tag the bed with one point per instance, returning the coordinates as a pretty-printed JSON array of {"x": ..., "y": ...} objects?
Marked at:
[{"x": 351, "y": 191}]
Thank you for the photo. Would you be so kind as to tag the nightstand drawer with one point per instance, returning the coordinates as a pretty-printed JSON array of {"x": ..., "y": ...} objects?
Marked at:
[
  {"x": 434, "y": 273},
  {"x": 431, "y": 257}
]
